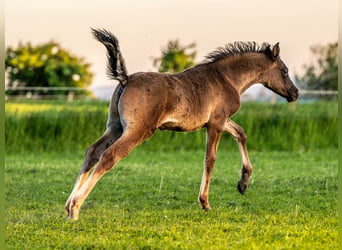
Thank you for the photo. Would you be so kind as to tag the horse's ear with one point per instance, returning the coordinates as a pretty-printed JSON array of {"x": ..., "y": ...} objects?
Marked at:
[{"x": 275, "y": 51}]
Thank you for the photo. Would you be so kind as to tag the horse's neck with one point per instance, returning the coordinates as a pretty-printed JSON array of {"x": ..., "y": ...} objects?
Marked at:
[{"x": 242, "y": 71}]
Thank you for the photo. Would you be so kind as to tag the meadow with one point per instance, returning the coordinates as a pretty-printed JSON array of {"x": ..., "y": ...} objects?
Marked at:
[
  {"x": 149, "y": 201},
  {"x": 60, "y": 126}
]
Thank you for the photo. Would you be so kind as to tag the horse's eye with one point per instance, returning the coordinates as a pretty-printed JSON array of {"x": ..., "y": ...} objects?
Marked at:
[{"x": 285, "y": 71}]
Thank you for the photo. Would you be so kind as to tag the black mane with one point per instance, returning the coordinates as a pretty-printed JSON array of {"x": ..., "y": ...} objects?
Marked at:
[{"x": 236, "y": 48}]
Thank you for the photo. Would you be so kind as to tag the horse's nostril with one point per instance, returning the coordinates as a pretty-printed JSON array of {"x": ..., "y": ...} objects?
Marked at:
[{"x": 294, "y": 92}]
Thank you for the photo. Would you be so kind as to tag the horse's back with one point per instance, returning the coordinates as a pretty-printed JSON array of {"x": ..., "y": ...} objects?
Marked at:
[
  {"x": 161, "y": 100},
  {"x": 183, "y": 101}
]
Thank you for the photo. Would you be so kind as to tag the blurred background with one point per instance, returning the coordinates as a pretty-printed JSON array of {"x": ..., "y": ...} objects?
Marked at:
[
  {"x": 50, "y": 52},
  {"x": 57, "y": 91}
]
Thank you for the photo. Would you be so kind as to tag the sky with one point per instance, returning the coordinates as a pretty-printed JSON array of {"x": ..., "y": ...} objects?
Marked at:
[{"x": 143, "y": 27}]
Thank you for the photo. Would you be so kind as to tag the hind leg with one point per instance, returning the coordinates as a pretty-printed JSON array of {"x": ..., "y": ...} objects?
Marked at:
[
  {"x": 93, "y": 155},
  {"x": 238, "y": 133},
  {"x": 110, "y": 158}
]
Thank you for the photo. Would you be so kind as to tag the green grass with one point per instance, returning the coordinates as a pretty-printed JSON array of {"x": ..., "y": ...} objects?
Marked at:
[
  {"x": 149, "y": 202},
  {"x": 60, "y": 126}
]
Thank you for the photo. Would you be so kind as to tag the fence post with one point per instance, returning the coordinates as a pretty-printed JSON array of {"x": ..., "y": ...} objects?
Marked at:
[
  {"x": 71, "y": 95},
  {"x": 29, "y": 95},
  {"x": 272, "y": 99}
]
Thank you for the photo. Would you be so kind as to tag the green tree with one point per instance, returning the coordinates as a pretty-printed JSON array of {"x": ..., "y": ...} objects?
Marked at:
[
  {"x": 175, "y": 57},
  {"x": 323, "y": 72},
  {"x": 46, "y": 65}
]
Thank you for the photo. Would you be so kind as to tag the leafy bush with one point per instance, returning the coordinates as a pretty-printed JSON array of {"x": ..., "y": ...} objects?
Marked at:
[{"x": 46, "y": 65}]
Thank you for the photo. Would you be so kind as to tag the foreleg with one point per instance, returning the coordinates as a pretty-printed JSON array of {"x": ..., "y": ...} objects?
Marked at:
[
  {"x": 238, "y": 133},
  {"x": 213, "y": 138}
]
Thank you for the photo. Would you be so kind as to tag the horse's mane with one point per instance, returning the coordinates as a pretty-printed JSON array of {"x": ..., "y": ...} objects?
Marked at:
[{"x": 237, "y": 48}]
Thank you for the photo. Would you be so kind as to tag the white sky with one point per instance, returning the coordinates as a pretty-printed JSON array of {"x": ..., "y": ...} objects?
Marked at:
[{"x": 145, "y": 26}]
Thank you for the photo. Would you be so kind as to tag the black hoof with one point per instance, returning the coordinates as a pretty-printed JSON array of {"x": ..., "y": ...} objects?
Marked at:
[{"x": 241, "y": 187}]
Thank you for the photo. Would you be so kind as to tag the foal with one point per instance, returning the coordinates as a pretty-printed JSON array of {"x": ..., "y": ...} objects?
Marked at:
[{"x": 206, "y": 95}]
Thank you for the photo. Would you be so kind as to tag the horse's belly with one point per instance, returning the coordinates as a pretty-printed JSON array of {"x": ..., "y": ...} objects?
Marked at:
[{"x": 181, "y": 125}]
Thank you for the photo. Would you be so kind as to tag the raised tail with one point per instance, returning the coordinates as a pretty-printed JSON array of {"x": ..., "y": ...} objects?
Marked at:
[{"x": 116, "y": 68}]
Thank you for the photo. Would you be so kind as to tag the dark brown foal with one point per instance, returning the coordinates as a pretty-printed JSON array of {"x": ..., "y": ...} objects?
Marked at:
[{"x": 205, "y": 96}]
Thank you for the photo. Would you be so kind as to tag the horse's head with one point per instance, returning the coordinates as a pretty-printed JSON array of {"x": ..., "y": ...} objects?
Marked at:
[{"x": 278, "y": 79}]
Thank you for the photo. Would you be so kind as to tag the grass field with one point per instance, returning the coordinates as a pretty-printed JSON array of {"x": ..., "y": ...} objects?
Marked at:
[
  {"x": 149, "y": 201},
  {"x": 57, "y": 126}
]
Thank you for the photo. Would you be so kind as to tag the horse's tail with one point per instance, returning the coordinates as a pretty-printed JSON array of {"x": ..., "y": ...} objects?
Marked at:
[{"x": 116, "y": 68}]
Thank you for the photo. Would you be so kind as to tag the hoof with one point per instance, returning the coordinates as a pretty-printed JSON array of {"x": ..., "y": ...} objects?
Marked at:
[
  {"x": 72, "y": 211},
  {"x": 204, "y": 204},
  {"x": 241, "y": 187},
  {"x": 206, "y": 207},
  {"x": 66, "y": 210},
  {"x": 72, "y": 216}
]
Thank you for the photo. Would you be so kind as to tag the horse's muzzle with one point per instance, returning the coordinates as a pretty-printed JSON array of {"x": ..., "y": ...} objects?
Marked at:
[{"x": 292, "y": 95}]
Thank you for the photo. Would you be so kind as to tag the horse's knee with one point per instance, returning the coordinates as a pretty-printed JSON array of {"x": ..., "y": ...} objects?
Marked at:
[{"x": 242, "y": 137}]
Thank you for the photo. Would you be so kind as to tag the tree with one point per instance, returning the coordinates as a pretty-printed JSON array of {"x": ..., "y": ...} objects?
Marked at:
[
  {"x": 175, "y": 57},
  {"x": 323, "y": 72},
  {"x": 46, "y": 65}
]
